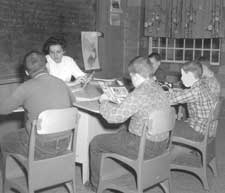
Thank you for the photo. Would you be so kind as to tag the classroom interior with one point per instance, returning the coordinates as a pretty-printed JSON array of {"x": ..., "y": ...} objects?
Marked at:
[{"x": 179, "y": 30}]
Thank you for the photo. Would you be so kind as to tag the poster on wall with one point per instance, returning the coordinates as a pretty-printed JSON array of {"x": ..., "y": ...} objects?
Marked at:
[
  {"x": 89, "y": 41},
  {"x": 114, "y": 19},
  {"x": 115, "y": 6}
]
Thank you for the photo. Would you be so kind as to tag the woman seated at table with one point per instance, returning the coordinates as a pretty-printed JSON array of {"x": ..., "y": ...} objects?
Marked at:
[{"x": 59, "y": 65}]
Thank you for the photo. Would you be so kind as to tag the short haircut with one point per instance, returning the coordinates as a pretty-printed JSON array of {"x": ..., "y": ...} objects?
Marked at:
[
  {"x": 34, "y": 61},
  {"x": 54, "y": 40},
  {"x": 155, "y": 55},
  {"x": 193, "y": 66},
  {"x": 204, "y": 61},
  {"x": 142, "y": 66}
]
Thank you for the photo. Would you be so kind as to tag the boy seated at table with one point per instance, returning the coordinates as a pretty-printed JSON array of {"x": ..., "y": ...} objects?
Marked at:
[
  {"x": 146, "y": 97},
  {"x": 159, "y": 73},
  {"x": 209, "y": 76},
  {"x": 200, "y": 101}
]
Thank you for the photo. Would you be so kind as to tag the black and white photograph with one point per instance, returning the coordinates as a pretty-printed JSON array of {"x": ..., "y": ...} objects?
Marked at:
[{"x": 109, "y": 96}]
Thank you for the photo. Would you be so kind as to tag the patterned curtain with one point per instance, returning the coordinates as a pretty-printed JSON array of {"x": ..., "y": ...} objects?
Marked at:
[
  {"x": 185, "y": 18},
  {"x": 197, "y": 18},
  {"x": 157, "y": 18}
]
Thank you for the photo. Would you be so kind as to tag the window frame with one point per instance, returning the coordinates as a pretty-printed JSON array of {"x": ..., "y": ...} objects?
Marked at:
[{"x": 158, "y": 47}]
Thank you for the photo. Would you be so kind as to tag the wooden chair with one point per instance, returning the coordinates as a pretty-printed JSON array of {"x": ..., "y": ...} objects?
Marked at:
[
  {"x": 31, "y": 174},
  {"x": 205, "y": 149},
  {"x": 115, "y": 169}
]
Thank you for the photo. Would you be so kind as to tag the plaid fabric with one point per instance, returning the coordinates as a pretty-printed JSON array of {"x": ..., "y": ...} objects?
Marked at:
[
  {"x": 213, "y": 85},
  {"x": 138, "y": 105},
  {"x": 200, "y": 101}
]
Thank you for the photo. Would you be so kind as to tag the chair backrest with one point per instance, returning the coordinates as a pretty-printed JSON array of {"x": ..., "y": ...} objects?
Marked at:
[
  {"x": 212, "y": 121},
  {"x": 50, "y": 171},
  {"x": 156, "y": 169},
  {"x": 216, "y": 110},
  {"x": 161, "y": 121},
  {"x": 57, "y": 120}
]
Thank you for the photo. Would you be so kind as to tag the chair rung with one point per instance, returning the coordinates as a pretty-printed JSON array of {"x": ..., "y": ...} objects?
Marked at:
[
  {"x": 18, "y": 183},
  {"x": 126, "y": 183},
  {"x": 188, "y": 160}
]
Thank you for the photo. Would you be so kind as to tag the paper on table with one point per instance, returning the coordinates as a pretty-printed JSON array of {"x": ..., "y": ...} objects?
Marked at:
[
  {"x": 80, "y": 99},
  {"x": 105, "y": 80}
]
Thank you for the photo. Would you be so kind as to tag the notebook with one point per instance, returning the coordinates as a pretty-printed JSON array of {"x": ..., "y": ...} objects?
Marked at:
[
  {"x": 81, "y": 86},
  {"x": 116, "y": 94}
]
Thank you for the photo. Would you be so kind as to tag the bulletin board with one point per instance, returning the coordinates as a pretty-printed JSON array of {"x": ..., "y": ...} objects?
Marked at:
[{"x": 26, "y": 24}]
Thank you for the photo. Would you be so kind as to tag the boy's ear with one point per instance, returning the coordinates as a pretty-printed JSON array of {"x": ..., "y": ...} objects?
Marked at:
[{"x": 27, "y": 73}]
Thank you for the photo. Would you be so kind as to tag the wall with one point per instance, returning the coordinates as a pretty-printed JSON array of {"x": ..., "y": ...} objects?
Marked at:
[
  {"x": 111, "y": 45},
  {"x": 13, "y": 121},
  {"x": 133, "y": 31},
  {"x": 25, "y": 25}
]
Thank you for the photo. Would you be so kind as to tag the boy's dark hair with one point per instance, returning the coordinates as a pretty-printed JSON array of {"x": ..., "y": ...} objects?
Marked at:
[
  {"x": 193, "y": 66},
  {"x": 142, "y": 66},
  {"x": 155, "y": 55},
  {"x": 34, "y": 61}
]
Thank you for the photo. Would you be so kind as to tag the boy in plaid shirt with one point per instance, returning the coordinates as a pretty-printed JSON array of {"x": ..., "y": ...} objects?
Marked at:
[
  {"x": 200, "y": 101},
  {"x": 136, "y": 108}
]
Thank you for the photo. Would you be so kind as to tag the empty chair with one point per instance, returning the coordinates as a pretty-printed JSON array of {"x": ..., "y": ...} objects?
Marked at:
[
  {"x": 205, "y": 151},
  {"x": 30, "y": 174},
  {"x": 131, "y": 176}
]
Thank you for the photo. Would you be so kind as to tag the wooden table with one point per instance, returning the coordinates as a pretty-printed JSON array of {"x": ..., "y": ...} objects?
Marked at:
[{"x": 90, "y": 124}]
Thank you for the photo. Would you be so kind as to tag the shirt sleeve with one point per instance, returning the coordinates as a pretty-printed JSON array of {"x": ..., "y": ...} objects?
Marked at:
[
  {"x": 72, "y": 97},
  {"x": 160, "y": 75},
  {"x": 118, "y": 113},
  {"x": 48, "y": 67},
  {"x": 75, "y": 70},
  {"x": 15, "y": 100},
  {"x": 183, "y": 96}
]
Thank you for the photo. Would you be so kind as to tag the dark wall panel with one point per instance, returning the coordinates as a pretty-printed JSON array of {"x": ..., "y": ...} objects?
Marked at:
[{"x": 26, "y": 24}]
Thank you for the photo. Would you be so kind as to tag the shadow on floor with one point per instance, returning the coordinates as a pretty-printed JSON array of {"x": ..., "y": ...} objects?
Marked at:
[{"x": 181, "y": 182}]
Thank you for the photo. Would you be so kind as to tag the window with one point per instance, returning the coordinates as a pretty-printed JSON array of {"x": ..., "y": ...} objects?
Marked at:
[{"x": 182, "y": 50}]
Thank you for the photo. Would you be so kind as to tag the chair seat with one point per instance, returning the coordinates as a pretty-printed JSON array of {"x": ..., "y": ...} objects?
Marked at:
[
  {"x": 126, "y": 183},
  {"x": 28, "y": 174},
  {"x": 19, "y": 183},
  {"x": 186, "y": 132},
  {"x": 22, "y": 159},
  {"x": 188, "y": 159}
]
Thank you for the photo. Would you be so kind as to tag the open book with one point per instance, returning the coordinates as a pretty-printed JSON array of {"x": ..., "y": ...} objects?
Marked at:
[{"x": 115, "y": 94}]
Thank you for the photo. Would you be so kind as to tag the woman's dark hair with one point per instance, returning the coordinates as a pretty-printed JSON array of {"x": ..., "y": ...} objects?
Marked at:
[{"x": 54, "y": 40}]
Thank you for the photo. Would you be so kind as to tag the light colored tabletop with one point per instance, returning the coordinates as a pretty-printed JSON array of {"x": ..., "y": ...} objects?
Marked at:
[{"x": 87, "y": 98}]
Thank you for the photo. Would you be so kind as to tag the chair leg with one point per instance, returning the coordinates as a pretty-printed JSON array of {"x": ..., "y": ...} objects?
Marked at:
[
  {"x": 212, "y": 165},
  {"x": 166, "y": 185},
  {"x": 30, "y": 188},
  {"x": 85, "y": 172},
  {"x": 74, "y": 184},
  {"x": 204, "y": 179},
  {"x": 3, "y": 182},
  {"x": 100, "y": 189},
  {"x": 69, "y": 187},
  {"x": 4, "y": 176}
]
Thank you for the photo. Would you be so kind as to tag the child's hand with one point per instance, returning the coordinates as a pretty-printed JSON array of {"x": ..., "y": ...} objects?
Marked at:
[
  {"x": 103, "y": 97},
  {"x": 81, "y": 79}
]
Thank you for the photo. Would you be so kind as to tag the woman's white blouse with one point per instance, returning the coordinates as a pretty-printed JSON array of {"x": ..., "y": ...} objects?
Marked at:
[{"x": 65, "y": 69}]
